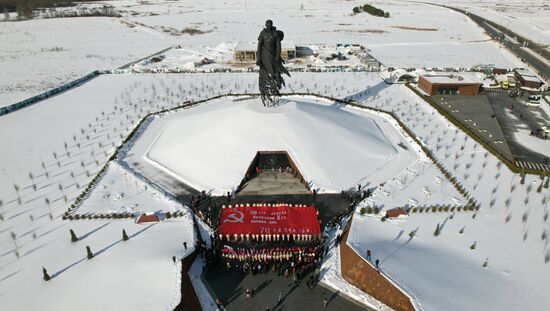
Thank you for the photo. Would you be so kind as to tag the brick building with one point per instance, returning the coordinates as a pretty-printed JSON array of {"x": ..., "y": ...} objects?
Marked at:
[
  {"x": 246, "y": 52},
  {"x": 448, "y": 85},
  {"x": 527, "y": 78}
]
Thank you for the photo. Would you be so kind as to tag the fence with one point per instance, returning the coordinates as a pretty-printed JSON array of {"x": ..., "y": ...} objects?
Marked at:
[
  {"x": 58, "y": 90},
  {"x": 67, "y": 86}
]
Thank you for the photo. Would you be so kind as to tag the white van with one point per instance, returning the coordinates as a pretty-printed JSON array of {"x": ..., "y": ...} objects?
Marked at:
[
  {"x": 511, "y": 81},
  {"x": 533, "y": 100}
]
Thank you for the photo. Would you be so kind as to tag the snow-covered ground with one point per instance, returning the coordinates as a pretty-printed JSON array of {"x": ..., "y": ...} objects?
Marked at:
[
  {"x": 64, "y": 143},
  {"x": 38, "y": 55},
  {"x": 134, "y": 274},
  {"x": 416, "y": 35},
  {"x": 510, "y": 231},
  {"x": 421, "y": 184},
  {"x": 45, "y": 164},
  {"x": 44, "y": 167},
  {"x": 93, "y": 113},
  {"x": 44, "y": 53},
  {"x": 120, "y": 191},
  {"x": 52, "y": 150},
  {"x": 528, "y": 18}
]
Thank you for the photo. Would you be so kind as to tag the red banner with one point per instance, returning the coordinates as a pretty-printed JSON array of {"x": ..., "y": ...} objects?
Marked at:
[{"x": 269, "y": 220}]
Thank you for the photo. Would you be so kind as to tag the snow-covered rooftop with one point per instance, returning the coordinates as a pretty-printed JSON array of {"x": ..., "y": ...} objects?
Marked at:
[
  {"x": 524, "y": 72},
  {"x": 448, "y": 79},
  {"x": 252, "y": 46},
  {"x": 527, "y": 75}
]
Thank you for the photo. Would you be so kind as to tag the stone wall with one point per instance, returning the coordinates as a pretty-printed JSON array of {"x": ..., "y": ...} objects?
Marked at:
[{"x": 358, "y": 272}]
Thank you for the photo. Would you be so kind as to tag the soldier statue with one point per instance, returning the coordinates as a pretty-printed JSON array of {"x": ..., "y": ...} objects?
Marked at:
[{"x": 268, "y": 57}]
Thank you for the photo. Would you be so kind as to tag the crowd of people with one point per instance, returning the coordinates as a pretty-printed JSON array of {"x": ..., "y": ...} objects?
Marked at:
[
  {"x": 284, "y": 257},
  {"x": 289, "y": 262},
  {"x": 203, "y": 206}
]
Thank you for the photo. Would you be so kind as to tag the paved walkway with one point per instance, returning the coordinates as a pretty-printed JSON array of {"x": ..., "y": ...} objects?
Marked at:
[
  {"x": 268, "y": 183},
  {"x": 231, "y": 286}
]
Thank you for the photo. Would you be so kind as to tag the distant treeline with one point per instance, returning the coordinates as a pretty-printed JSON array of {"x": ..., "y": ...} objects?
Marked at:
[
  {"x": 371, "y": 10},
  {"x": 26, "y": 7}
]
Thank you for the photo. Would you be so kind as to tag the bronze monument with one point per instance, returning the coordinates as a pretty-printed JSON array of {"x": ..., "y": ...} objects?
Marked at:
[{"x": 268, "y": 57}]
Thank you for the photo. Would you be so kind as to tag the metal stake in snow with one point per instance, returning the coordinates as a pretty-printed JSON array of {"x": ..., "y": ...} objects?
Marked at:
[{"x": 268, "y": 58}]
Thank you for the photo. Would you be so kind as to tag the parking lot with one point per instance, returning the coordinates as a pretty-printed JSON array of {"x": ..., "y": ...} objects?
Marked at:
[
  {"x": 476, "y": 114},
  {"x": 515, "y": 116},
  {"x": 497, "y": 118}
]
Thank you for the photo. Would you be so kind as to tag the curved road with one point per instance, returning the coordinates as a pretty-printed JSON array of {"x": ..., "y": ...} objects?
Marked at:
[{"x": 542, "y": 68}]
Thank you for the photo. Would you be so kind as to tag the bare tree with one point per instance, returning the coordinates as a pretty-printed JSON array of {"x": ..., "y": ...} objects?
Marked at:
[
  {"x": 48, "y": 202},
  {"x": 16, "y": 187},
  {"x": 14, "y": 239}
]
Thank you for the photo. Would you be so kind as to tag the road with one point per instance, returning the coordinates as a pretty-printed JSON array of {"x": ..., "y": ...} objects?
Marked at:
[
  {"x": 537, "y": 65},
  {"x": 540, "y": 67},
  {"x": 524, "y": 118}
]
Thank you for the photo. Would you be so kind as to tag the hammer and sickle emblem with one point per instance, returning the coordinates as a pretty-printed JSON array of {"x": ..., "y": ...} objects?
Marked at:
[{"x": 235, "y": 216}]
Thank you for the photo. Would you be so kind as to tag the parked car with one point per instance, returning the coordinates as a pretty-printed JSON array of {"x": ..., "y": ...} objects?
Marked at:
[
  {"x": 542, "y": 132},
  {"x": 511, "y": 81},
  {"x": 533, "y": 100}
]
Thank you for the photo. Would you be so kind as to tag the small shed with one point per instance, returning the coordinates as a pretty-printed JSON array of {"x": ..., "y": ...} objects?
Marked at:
[
  {"x": 395, "y": 212},
  {"x": 500, "y": 71},
  {"x": 145, "y": 218}
]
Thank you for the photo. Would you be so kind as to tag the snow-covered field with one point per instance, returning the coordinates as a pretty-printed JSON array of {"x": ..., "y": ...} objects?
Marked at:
[
  {"x": 52, "y": 150},
  {"x": 510, "y": 232},
  {"x": 56, "y": 162},
  {"x": 64, "y": 143},
  {"x": 38, "y": 55},
  {"x": 429, "y": 36},
  {"x": 120, "y": 191},
  {"x": 421, "y": 184},
  {"x": 44, "y": 167},
  {"x": 98, "y": 108},
  {"x": 138, "y": 274},
  {"x": 528, "y": 18},
  {"x": 44, "y": 53}
]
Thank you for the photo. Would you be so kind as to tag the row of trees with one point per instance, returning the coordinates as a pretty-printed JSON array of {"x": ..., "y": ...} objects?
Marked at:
[
  {"x": 25, "y": 8},
  {"x": 371, "y": 10}
]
